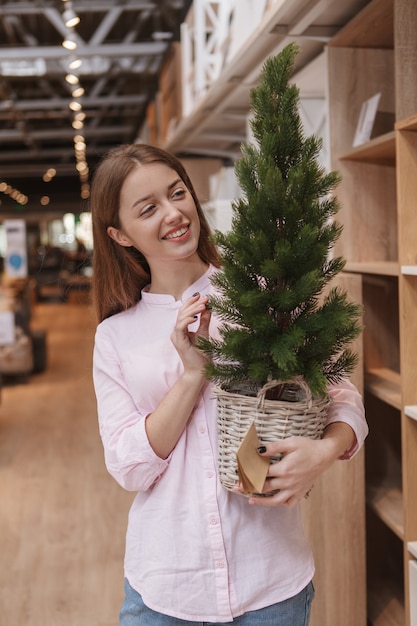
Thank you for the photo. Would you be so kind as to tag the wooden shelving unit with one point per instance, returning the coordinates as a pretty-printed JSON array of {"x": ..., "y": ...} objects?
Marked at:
[
  {"x": 376, "y": 52},
  {"x": 373, "y": 50}
]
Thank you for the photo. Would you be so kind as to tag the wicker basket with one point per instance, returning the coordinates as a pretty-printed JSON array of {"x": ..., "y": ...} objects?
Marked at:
[{"x": 300, "y": 415}]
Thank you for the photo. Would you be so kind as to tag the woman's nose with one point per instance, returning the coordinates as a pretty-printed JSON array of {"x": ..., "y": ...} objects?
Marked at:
[{"x": 172, "y": 212}]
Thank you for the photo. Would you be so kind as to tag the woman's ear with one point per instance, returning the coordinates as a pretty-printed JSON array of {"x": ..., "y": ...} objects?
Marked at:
[{"x": 118, "y": 237}]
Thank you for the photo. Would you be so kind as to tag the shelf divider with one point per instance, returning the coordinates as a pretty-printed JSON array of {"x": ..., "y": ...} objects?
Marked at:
[
  {"x": 387, "y": 503},
  {"x": 379, "y": 150},
  {"x": 381, "y": 268},
  {"x": 384, "y": 384}
]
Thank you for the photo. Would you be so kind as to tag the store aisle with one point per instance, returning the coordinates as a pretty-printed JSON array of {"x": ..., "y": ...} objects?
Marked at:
[{"x": 62, "y": 517}]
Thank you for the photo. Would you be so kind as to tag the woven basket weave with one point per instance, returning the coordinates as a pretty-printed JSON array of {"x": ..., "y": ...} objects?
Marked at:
[{"x": 303, "y": 416}]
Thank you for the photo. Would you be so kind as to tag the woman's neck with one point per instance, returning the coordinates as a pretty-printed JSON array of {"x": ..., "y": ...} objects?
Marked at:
[{"x": 175, "y": 278}]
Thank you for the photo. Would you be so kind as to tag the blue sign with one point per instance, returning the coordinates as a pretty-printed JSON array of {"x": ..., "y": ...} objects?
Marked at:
[{"x": 16, "y": 261}]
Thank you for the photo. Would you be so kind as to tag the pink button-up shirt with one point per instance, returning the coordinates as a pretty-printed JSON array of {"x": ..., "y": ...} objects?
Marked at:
[{"x": 193, "y": 550}]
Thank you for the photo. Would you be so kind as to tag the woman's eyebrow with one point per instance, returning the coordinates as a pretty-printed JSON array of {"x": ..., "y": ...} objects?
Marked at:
[
  {"x": 176, "y": 181},
  {"x": 140, "y": 200}
]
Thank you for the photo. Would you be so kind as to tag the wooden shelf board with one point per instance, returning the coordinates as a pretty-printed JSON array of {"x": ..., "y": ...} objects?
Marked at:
[
  {"x": 384, "y": 384},
  {"x": 388, "y": 611},
  {"x": 385, "y": 604},
  {"x": 380, "y": 150},
  {"x": 370, "y": 28},
  {"x": 408, "y": 124},
  {"x": 412, "y": 548},
  {"x": 196, "y": 130},
  {"x": 411, "y": 411},
  {"x": 387, "y": 504},
  {"x": 382, "y": 268}
]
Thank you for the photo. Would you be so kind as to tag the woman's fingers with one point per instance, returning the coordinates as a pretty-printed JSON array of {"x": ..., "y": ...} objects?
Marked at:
[
  {"x": 184, "y": 337},
  {"x": 203, "y": 329},
  {"x": 292, "y": 476},
  {"x": 191, "y": 310}
]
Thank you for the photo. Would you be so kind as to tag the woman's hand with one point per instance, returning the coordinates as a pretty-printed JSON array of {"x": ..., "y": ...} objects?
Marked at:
[
  {"x": 303, "y": 461},
  {"x": 184, "y": 340},
  {"x": 165, "y": 425}
]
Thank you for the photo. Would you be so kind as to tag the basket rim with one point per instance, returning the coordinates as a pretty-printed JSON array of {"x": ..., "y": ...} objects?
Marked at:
[{"x": 261, "y": 401}]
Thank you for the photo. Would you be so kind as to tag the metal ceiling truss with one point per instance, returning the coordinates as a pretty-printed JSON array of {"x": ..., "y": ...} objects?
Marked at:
[{"x": 122, "y": 45}]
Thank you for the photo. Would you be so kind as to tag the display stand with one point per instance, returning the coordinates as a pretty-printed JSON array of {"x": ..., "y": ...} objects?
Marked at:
[{"x": 377, "y": 53}]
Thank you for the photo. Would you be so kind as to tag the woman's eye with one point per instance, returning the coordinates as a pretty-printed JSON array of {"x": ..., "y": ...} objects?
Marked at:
[
  {"x": 147, "y": 209},
  {"x": 179, "y": 193}
]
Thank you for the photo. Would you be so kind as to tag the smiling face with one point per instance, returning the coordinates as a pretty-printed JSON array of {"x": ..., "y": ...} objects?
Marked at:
[{"x": 157, "y": 215}]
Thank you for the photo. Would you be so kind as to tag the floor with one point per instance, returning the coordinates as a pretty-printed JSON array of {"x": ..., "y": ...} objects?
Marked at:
[{"x": 62, "y": 517}]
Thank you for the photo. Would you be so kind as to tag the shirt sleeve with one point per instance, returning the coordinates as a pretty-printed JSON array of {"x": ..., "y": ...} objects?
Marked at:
[
  {"x": 128, "y": 455},
  {"x": 347, "y": 407}
]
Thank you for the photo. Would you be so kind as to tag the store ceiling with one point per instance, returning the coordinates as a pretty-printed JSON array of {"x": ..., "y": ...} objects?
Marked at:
[
  {"x": 217, "y": 123},
  {"x": 122, "y": 44}
]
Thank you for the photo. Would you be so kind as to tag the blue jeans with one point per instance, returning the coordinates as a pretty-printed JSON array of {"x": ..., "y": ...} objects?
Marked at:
[{"x": 292, "y": 612}]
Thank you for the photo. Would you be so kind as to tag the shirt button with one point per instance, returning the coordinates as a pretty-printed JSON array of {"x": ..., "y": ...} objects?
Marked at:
[
  {"x": 202, "y": 430},
  {"x": 209, "y": 474},
  {"x": 220, "y": 564},
  {"x": 213, "y": 521}
]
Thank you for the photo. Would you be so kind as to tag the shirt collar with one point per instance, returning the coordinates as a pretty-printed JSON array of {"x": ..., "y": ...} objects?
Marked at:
[{"x": 201, "y": 285}]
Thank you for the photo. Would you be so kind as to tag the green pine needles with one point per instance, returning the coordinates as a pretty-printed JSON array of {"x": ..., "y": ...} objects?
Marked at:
[{"x": 278, "y": 319}]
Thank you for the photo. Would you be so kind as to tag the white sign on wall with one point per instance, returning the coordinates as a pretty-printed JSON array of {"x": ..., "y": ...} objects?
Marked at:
[
  {"x": 7, "y": 328},
  {"x": 366, "y": 120},
  {"x": 15, "y": 263}
]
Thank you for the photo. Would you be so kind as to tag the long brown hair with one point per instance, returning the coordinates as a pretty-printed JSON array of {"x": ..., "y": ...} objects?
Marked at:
[{"x": 120, "y": 273}]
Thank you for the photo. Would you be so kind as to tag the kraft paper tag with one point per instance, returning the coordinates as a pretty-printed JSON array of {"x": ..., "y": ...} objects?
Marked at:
[{"x": 252, "y": 468}]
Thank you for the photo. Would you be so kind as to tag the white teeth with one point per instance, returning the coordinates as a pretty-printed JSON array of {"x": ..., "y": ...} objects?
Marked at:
[{"x": 177, "y": 233}]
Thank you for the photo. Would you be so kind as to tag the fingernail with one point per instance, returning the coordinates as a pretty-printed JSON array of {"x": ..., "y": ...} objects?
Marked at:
[
  {"x": 197, "y": 293},
  {"x": 261, "y": 449},
  {"x": 209, "y": 307},
  {"x": 195, "y": 317}
]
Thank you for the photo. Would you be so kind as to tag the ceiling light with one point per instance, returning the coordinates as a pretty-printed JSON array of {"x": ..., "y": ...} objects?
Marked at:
[
  {"x": 75, "y": 106},
  {"x": 22, "y": 199},
  {"x": 85, "y": 192},
  {"x": 17, "y": 195},
  {"x": 77, "y": 92},
  {"x": 75, "y": 64},
  {"x": 69, "y": 44},
  {"x": 49, "y": 174},
  {"x": 69, "y": 17},
  {"x": 72, "y": 79},
  {"x": 161, "y": 36}
]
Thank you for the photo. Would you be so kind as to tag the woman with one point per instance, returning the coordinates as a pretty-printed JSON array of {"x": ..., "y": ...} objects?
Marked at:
[{"x": 194, "y": 551}]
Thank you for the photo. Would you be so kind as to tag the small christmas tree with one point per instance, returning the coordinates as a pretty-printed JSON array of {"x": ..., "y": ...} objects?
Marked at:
[{"x": 279, "y": 321}]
